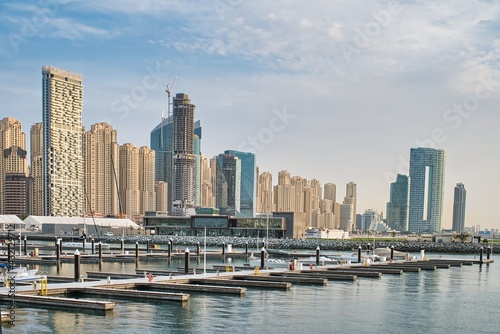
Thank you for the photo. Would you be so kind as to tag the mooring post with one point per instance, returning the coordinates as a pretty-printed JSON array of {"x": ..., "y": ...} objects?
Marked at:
[
  {"x": 359, "y": 254},
  {"x": 262, "y": 258},
  {"x": 246, "y": 248},
  {"x": 136, "y": 251},
  {"x": 317, "y": 256},
  {"x": 58, "y": 251},
  {"x": 223, "y": 248},
  {"x": 392, "y": 252},
  {"x": 488, "y": 252},
  {"x": 147, "y": 245},
  {"x": 481, "y": 255},
  {"x": 186, "y": 264},
  {"x": 100, "y": 252},
  {"x": 198, "y": 249},
  {"x": 169, "y": 249},
  {"x": 25, "y": 245},
  {"x": 93, "y": 244},
  {"x": 60, "y": 245},
  {"x": 122, "y": 246},
  {"x": 368, "y": 249},
  {"x": 77, "y": 265}
]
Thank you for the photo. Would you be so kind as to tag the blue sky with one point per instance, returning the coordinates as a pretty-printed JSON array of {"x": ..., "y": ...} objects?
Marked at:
[{"x": 334, "y": 90}]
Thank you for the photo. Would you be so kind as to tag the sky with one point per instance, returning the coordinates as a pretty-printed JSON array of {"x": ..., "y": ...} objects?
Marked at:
[{"x": 333, "y": 90}]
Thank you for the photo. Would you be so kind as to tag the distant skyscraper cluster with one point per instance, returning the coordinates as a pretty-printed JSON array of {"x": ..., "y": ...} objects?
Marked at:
[{"x": 74, "y": 172}]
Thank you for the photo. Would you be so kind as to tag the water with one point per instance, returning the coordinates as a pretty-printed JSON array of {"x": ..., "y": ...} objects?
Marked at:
[{"x": 457, "y": 300}]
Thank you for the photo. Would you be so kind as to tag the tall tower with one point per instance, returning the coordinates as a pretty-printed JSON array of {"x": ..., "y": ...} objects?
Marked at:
[
  {"x": 36, "y": 140},
  {"x": 184, "y": 157},
  {"x": 228, "y": 185},
  {"x": 351, "y": 198},
  {"x": 62, "y": 142},
  {"x": 101, "y": 170},
  {"x": 13, "y": 157},
  {"x": 265, "y": 189},
  {"x": 247, "y": 186},
  {"x": 426, "y": 189},
  {"x": 330, "y": 191},
  {"x": 459, "y": 208},
  {"x": 161, "y": 139},
  {"x": 129, "y": 179},
  {"x": 147, "y": 179},
  {"x": 397, "y": 207}
]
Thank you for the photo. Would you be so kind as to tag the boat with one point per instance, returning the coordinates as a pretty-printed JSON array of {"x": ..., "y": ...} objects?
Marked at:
[
  {"x": 269, "y": 262},
  {"x": 345, "y": 258},
  {"x": 21, "y": 274},
  {"x": 323, "y": 261},
  {"x": 386, "y": 252},
  {"x": 88, "y": 245}
]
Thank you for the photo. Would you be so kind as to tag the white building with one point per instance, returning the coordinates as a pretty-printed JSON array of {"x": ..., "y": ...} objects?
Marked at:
[{"x": 76, "y": 226}]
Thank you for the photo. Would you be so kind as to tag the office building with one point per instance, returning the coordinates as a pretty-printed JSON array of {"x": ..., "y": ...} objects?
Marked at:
[
  {"x": 228, "y": 184},
  {"x": 247, "y": 185},
  {"x": 63, "y": 170},
  {"x": 426, "y": 189},
  {"x": 397, "y": 207},
  {"x": 459, "y": 208},
  {"x": 14, "y": 157}
]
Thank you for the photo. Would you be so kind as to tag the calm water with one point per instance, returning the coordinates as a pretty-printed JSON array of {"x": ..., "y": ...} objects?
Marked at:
[{"x": 455, "y": 300}]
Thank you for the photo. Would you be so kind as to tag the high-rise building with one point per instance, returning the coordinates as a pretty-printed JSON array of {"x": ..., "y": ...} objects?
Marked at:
[
  {"x": 228, "y": 198},
  {"x": 265, "y": 193},
  {"x": 397, "y": 207},
  {"x": 369, "y": 219},
  {"x": 147, "y": 180},
  {"x": 18, "y": 194},
  {"x": 346, "y": 218},
  {"x": 161, "y": 192},
  {"x": 330, "y": 192},
  {"x": 184, "y": 154},
  {"x": 101, "y": 156},
  {"x": 207, "y": 200},
  {"x": 36, "y": 168},
  {"x": 284, "y": 197},
  {"x": 161, "y": 139},
  {"x": 426, "y": 189},
  {"x": 62, "y": 142},
  {"x": 459, "y": 208},
  {"x": 351, "y": 198},
  {"x": 247, "y": 186},
  {"x": 13, "y": 157},
  {"x": 129, "y": 179}
]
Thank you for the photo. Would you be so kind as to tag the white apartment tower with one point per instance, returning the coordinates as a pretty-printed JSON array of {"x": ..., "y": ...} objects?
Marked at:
[
  {"x": 101, "y": 170},
  {"x": 63, "y": 173}
]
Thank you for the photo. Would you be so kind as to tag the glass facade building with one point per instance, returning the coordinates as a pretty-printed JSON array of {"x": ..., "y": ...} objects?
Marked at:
[
  {"x": 397, "y": 208},
  {"x": 459, "y": 208},
  {"x": 228, "y": 181},
  {"x": 247, "y": 184},
  {"x": 426, "y": 189}
]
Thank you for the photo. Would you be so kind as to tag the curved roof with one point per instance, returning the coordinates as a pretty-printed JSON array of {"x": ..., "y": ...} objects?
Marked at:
[{"x": 104, "y": 222}]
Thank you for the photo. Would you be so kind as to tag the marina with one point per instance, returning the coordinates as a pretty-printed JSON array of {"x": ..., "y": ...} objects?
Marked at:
[{"x": 101, "y": 290}]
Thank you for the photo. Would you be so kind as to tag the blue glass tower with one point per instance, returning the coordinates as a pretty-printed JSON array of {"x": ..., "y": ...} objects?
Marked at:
[
  {"x": 397, "y": 208},
  {"x": 228, "y": 181},
  {"x": 247, "y": 186},
  {"x": 426, "y": 189}
]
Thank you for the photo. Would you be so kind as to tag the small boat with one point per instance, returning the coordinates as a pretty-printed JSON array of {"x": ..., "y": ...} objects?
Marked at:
[
  {"x": 21, "y": 274},
  {"x": 88, "y": 245},
  {"x": 269, "y": 262},
  {"x": 346, "y": 257},
  {"x": 323, "y": 260},
  {"x": 386, "y": 252}
]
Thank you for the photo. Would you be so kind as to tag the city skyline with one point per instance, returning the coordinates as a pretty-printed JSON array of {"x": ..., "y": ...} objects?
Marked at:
[{"x": 322, "y": 96}]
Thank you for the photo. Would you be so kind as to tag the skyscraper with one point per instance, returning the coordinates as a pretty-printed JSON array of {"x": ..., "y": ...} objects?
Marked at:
[
  {"x": 265, "y": 193},
  {"x": 228, "y": 198},
  {"x": 147, "y": 180},
  {"x": 36, "y": 140},
  {"x": 351, "y": 198},
  {"x": 459, "y": 208},
  {"x": 397, "y": 207},
  {"x": 129, "y": 179},
  {"x": 13, "y": 157},
  {"x": 161, "y": 138},
  {"x": 63, "y": 174},
  {"x": 101, "y": 170},
  {"x": 426, "y": 189},
  {"x": 247, "y": 186},
  {"x": 184, "y": 157}
]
